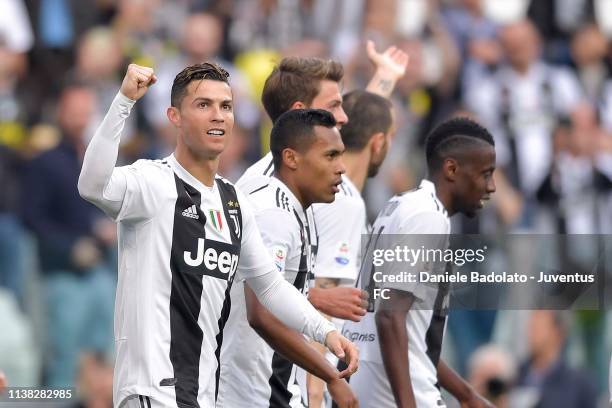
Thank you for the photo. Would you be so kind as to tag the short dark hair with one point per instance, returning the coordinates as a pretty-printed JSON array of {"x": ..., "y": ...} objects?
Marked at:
[
  {"x": 195, "y": 72},
  {"x": 297, "y": 79},
  {"x": 451, "y": 135},
  {"x": 369, "y": 114},
  {"x": 294, "y": 129}
]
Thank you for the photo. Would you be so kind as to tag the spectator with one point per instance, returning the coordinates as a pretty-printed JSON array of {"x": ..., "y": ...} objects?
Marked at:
[
  {"x": 71, "y": 239},
  {"x": 11, "y": 231},
  {"x": 201, "y": 41},
  {"x": 547, "y": 371},
  {"x": 492, "y": 372},
  {"x": 16, "y": 39},
  {"x": 521, "y": 102},
  {"x": 476, "y": 38},
  {"x": 95, "y": 381}
]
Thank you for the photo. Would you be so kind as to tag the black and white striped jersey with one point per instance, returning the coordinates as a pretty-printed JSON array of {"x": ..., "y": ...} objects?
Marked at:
[
  {"x": 338, "y": 226},
  {"x": 415, "y": 213},
  {"x": 252, "y": 373},
  {"x": 181, "y": 244}
]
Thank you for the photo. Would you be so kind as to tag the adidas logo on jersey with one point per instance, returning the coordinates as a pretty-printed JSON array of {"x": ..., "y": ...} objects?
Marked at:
[{"x": 191, "y": 212}]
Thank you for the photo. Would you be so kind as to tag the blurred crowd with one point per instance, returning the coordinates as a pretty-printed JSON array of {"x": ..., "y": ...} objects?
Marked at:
[{"x": 537, "y": 73}]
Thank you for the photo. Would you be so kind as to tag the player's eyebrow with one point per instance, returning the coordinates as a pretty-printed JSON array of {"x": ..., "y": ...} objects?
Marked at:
[
  {"x": 205, "y": 99},
  {"x": 334, "y": 152}
]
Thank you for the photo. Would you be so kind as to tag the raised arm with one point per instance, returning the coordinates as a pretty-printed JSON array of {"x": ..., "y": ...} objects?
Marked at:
[
  {"x": 390, "y": 67},
  {"x": 98, "y": 183}
]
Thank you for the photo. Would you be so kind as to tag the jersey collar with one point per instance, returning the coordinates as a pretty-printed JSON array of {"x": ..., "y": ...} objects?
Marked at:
[
  {"x": 294, "y": 201},
  {"x": 430, "y": 188},
  {"x": 188, "y": 177}
]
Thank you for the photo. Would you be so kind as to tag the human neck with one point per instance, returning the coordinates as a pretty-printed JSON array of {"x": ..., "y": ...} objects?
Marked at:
[
  {"x": 355, "y": 169},
  {"x": 203, "y": 169},
  {"x": 291, "y": 184}
]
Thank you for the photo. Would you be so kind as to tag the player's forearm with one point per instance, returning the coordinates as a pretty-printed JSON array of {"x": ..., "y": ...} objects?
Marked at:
[
  {"x": 381, "y": 84},
  {"x": 290, "y": 306},
  {"x": 286, "y": 341},
  {"x": 453, "y": 383},
  {"x": 314, "y": 383},
  {"x": 102, "y": 151},
  {"x": 393, "y": 337}
]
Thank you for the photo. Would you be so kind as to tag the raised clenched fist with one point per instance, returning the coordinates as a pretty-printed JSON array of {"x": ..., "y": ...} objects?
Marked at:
[{"x": 137, "y": 81}]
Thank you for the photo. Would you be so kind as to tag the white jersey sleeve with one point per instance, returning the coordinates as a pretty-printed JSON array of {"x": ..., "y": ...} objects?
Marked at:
[
  {"x": 279, "y": 238},
  {"x": 290, "y": 306},
  {"x": 121, "y": 192},
  {"x": 339, "y": 226},
  {"x": 254, "y": 256}
]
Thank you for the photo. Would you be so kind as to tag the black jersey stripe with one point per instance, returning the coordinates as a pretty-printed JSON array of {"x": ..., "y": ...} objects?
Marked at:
[
  {"x": 185, "y": 297},
  {"x": 282, "y": 368},
  {"x": 228, "y": 194},
  {"x": 435, "y": 331},
  {"x": 259, "y": 189},
  {"x": 270, "y": 169},
  {"x": 435, "y": 201}
]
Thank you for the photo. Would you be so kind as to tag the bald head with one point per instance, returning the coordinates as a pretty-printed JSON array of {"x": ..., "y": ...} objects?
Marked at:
[
  {"x": 202, "y": 36},
  {"x": 521, "y": 42}
]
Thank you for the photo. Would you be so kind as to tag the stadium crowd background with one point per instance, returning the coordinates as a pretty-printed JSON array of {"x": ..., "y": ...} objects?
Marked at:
[{"x": 61, "y": 63}]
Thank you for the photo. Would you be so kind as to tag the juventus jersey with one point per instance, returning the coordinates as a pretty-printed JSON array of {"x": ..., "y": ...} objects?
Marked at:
[
  {"x": 338, "y": 226},
  {"x": 180, "y": 244},
  {"x": 252, "y": 373},
  {"x": 414, "y": 213}
]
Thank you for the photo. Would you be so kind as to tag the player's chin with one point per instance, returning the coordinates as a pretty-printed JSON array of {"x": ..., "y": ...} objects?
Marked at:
[{"x": 327, "y": 198}]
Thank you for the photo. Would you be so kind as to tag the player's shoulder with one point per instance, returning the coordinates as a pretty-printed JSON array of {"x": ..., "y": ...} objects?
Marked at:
[
  {"x": 422, "y": 199},
  {"x": 150, "y": 169},
  {"x": 152, "y": 165},
  {"x": 272, "y": 197},
  {"x": 259, "y": 171}
]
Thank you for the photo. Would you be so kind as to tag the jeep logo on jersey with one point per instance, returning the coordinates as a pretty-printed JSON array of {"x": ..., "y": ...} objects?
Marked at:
[{"x": 213, "y": 258}]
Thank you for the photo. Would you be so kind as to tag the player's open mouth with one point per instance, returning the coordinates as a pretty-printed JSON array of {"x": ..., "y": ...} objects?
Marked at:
[
  {"x": 335, "y": 186},
  {"x": 483, "y": 201},
  {"x": 216, "y": 132}
]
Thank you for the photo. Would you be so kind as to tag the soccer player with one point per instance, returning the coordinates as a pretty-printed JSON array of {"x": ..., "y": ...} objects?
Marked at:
[
  {"x": 400, "y": 345},
  {"x": 306, "y": 148},
  {"x": 340, "y": 225},
  {"x": 298, "y": 83},
  {"x": 184, "y": 233}
]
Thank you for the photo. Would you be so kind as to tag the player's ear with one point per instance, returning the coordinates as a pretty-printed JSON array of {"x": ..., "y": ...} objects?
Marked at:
[
  {"x": 450, "y": 168},
  {"x": 377, "y": 143},
  {"x": 174, "y": 116},
  {"x": 290, "y": 158},
  {"x": 298, "y": 105}
]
